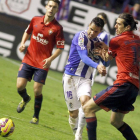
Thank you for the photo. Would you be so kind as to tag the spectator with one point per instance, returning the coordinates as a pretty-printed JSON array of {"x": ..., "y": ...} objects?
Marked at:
[{"x": 129, "y": 6}]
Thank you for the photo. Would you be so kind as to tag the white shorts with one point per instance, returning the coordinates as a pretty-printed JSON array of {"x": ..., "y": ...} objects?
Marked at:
[{"x": 74, "y": 87}]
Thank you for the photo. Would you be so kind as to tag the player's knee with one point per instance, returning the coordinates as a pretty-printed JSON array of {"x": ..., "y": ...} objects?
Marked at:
[
  {"x": 84, "y": 100},
  {"x": 20, "y": 86},
  {"x": 38, "y": 89},
  {"x": 114, "y": 123},
  {"x": 86, "y": 109},
  {"x": 74, "y": 114}
]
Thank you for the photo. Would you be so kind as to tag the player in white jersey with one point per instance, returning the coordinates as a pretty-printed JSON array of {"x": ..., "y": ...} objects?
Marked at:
[
  {"x": 104, "y": 36},
  {"x": 78, "y": 72}
]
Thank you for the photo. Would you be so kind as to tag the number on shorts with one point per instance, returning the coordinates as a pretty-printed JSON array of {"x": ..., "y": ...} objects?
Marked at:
[{"x": 69, "y": 94}]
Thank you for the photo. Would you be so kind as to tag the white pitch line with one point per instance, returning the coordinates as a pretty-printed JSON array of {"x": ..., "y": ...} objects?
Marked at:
[
  {"x": 18, "y": 64},
  {"x": 13, "y": 117}
]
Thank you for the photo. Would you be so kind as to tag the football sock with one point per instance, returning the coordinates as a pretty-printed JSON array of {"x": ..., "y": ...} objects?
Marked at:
[
  {"x": 127, "y": 132},
  {"x": 24, "y": 94},
  {"x": 82, "y": 120},
  {"x": 73, "y": 123},
  {"x": 91, "y": 128},
  {"x": 37, "y": 105}
]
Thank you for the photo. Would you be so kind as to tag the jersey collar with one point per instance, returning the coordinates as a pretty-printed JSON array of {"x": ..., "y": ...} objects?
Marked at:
[{"x": 53, "y": 21}]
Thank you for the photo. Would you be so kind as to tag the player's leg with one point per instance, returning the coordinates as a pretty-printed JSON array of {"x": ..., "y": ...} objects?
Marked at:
[
  {"x": 39, "y": 78},
  {"x": 84, "y": 94},
  {"x": 81, "y": 116},
  {"x": 81, "y": 124},
  {"x": 72, "y": 102},
  {"x": 24, "y": 75},
  {"x": 73, "y": 120},
  {"x": 89, "y": 109},
  {"x": 38, "y": 102},
  {"x": 124, "y": 128}
]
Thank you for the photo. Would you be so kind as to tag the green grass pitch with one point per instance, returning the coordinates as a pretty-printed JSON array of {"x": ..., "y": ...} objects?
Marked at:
[{"x": 53, "y": 123}]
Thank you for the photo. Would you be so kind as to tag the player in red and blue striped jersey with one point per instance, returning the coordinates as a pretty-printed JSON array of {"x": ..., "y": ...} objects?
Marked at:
[{"x": 119, "y": 97}]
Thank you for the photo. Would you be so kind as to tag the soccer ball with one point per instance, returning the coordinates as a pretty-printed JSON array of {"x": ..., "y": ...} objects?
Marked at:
[{"x": 7, "y": 127}]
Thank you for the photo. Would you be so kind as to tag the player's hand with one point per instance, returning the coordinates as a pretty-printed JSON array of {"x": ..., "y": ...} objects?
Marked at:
[
  {"x": 22, "y": 47},
  {"x": 101, "y": 69},
  {"x": 47, "y": 63},
  {"x": 103, "y": 46}
]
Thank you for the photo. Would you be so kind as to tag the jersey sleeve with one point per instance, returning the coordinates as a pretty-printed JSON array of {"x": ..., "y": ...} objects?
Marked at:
[
  {"x": 113, "y": 47},
  {"x": 82, "y": 42},
  {"x": 60, "y": 41},
  {"x": 29, "y": 29},
  {"x": 82, "y": 50}
]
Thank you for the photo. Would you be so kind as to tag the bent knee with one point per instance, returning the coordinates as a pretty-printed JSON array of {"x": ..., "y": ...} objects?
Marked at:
[
  {"x": 74, "y": 114},
  {"x": 86, "y": 109},
  {"x": 84, "y": 99},
  {"x": 115, "y": 123},
  {"x": 21, "y": 84}
]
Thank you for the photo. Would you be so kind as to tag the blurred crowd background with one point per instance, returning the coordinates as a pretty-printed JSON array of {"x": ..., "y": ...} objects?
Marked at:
[{"x": 115, "y": 6}]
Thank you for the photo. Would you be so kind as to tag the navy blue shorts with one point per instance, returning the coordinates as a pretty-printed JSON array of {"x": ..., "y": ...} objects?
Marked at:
[
  {"x": 27, "y": 71},
  {"x": 118, "y": 98}
]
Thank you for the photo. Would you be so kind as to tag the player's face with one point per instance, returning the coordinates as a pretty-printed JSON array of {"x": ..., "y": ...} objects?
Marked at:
[
  {"x": 93, "y": 31},
  {"x": 120, "y": 26},
  {"x": 52, "y": 8}
]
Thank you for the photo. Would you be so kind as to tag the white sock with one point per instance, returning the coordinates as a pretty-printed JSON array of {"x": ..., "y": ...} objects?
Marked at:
[
  {"x": 81, "y": 124},
  {"x": 73, "y": 123},
  {"x": 82, "y": 120}
]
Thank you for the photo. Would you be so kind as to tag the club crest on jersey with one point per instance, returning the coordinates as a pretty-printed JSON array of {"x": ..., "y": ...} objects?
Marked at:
[
  {"x": 50, "y": 32},
  {"x": 70, "y": 105}
]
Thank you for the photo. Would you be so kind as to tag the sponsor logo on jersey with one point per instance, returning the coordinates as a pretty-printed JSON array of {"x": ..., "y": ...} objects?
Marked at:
[
  {"x": 93, "y": 56},
  {"x": 39, "y": 38}
]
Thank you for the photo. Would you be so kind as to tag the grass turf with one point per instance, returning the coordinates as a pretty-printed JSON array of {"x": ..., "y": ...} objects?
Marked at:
[{"x": 53, "y": 123}]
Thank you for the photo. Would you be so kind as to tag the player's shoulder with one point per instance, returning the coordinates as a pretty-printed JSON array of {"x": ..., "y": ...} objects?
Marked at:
[
  {"x": 80, "y": 34},
  {"x": 38, "y": 17},
  {"x": 105, "y": 32},
  {"x": 57, "y": 24},
  {"x": 116, "y": 38}
]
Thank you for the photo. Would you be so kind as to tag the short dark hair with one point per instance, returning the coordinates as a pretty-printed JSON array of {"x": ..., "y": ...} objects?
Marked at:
[
  {"x": 103, "y": 15},
  {"x": 57, "y": 1},
  {"x": 129, "y": 20},
  {"x": 98, "y": 22}
]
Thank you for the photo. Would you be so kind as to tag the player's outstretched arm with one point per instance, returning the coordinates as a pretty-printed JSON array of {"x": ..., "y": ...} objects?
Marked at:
[
  {"x": 47, "y": 61},
  {"x": 25, "y": 37}
]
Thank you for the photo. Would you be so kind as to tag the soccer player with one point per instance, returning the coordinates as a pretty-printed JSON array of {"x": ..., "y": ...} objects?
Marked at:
[
  {"x": 78, "y": 72},
  {"x": 46, "y": 33},
  {"x": 104, "y": 36},
  {"x": 119, "y": 97}
]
